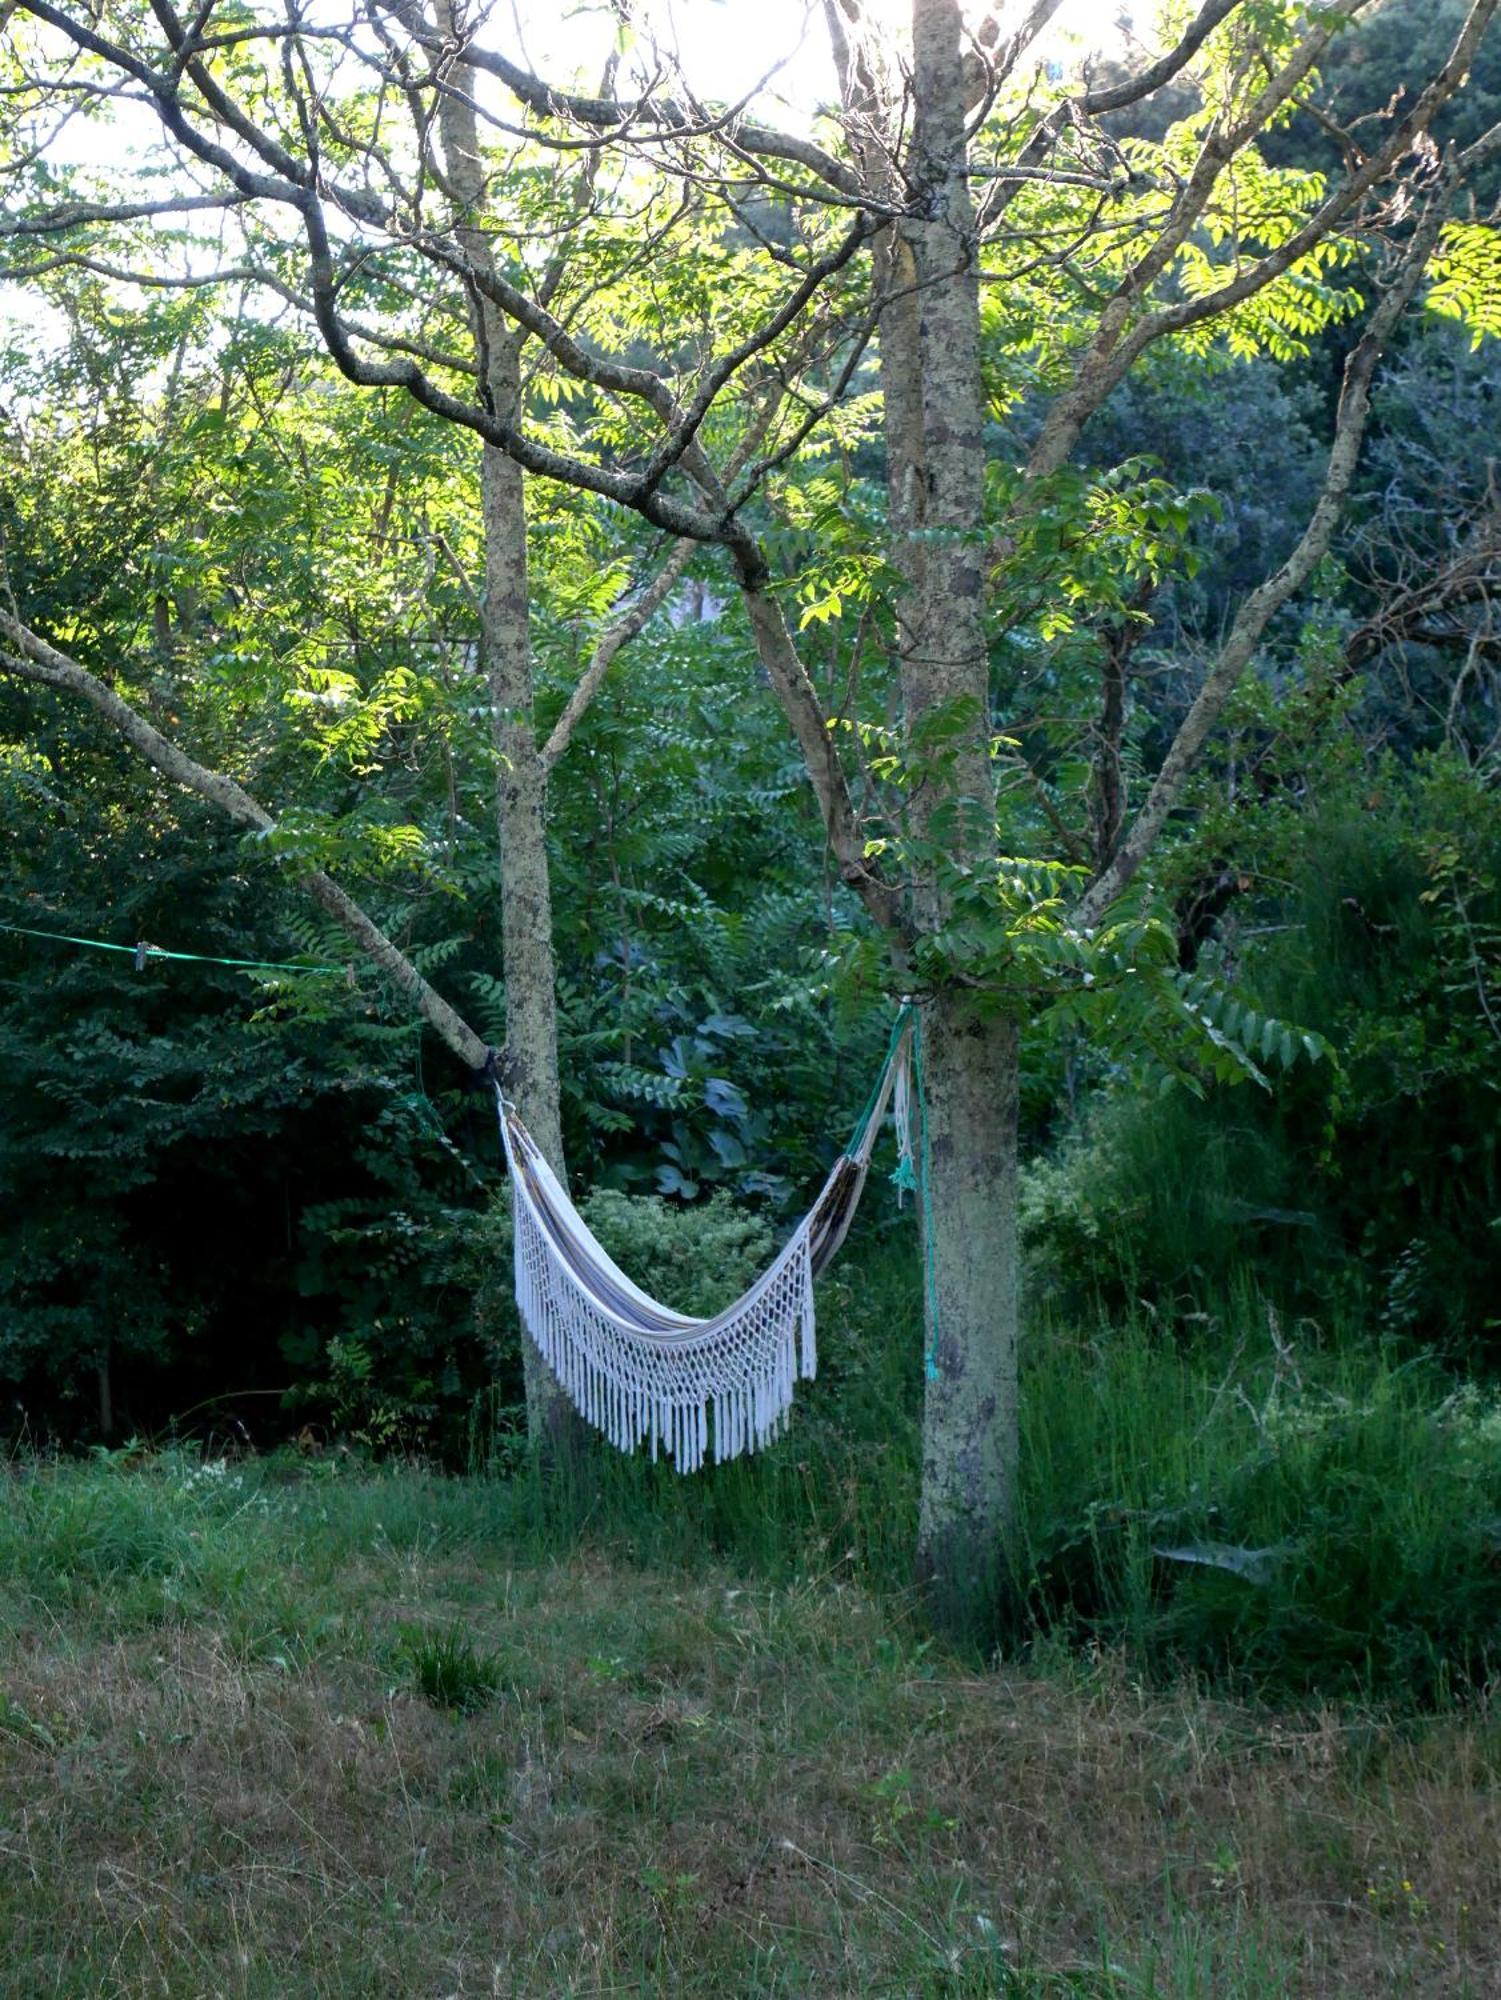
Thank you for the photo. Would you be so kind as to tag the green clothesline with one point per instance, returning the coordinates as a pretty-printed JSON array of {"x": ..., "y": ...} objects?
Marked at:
[{"x": 141, "y": 952}]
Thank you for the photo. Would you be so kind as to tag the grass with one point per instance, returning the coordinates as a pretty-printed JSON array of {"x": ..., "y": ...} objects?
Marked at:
[
  {"x": 244, "y": 1751},
  {"x": 448, "y": 1671},
  {"x": 1281, "y": 1511},
  {"x": 1297, "y": 1511}
]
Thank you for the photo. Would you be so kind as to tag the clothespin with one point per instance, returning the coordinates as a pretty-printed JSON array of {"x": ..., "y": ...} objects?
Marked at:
[{"x": 140, "y": 958}]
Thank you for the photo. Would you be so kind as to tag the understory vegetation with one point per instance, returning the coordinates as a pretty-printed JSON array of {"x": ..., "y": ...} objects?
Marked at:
[
  {"x": 1280, "y": 1510},
  {"x": 285, "y": 1725}
]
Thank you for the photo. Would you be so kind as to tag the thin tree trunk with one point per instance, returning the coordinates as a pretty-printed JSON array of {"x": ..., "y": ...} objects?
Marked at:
[
  {"x": 106, "y": 1395},
  {"x": 521, "y": 779},
  {"x": 970, "y": 1058},
  {"x": 521, "y": 788},
  {"x": 525, "y": 878}
]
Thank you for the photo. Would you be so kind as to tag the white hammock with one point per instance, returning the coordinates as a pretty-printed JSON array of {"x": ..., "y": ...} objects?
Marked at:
[{"x": 638, "y": 1371}]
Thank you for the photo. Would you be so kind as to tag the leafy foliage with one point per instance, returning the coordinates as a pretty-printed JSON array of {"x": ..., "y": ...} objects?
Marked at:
[
  {"x": 201, "y": 1163},
  {"x": 1467, "y": 279},
  {"x": 1371, "y": 1181}
]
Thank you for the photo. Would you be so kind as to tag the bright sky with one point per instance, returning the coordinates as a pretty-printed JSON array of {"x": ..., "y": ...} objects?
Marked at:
[
  {"x": 728, "y": 46},
  {"x": 775, "y": 52},
  {"x": 729, "y": 49}
]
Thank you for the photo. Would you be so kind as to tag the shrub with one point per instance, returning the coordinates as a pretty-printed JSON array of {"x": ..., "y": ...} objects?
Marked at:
[
  {"x": 694, "y": 1259},
  {"x": 1370, "y": 1187}
]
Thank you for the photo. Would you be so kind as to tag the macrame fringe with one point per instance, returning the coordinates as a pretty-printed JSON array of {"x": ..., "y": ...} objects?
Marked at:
[
  {"x": 721, "y": 1393},
  {"x": 641, "y": 1374}
]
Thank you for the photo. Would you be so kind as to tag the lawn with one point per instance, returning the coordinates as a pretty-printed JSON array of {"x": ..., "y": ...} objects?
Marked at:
[{"x": 270, "y": 1729}]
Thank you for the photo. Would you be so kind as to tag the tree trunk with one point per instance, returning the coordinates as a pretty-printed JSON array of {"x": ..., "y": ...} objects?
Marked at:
[
  {"x": 521, "y": 812},
  {"x": 970, "y": 1056},
  {"x": 520, "y": 786},
  {"x": 970, "y": 1075},
  {"x": 106, "y": 1396},
  {"x": 521, "y": 779}
]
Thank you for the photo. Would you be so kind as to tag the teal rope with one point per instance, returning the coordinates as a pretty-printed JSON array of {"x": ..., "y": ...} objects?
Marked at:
[
  {"x": 903, "y": 1177},
  {"x": 880, "y": 1083},
  {"x": 925, "y": 1192},
  {"x": 155, "y": 951}
]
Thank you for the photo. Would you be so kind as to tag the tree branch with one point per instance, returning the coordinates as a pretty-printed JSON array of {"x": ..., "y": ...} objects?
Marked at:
[
  {"x": 800, "y": 704},
  {"x": 609, "y": 114},
  {"x": 24, "y": 653},
  {"x": 1270, "y": 596},
  {"x": 636, "y": 614},
  {"x": 1110, "y": 356},
  {"x": 1117, "y": 96},
  {"x": 296, "y": 185},
  {"x": 77, "y": 214}
]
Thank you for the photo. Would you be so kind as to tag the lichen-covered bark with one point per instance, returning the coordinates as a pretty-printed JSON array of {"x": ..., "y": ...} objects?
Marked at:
[
  {"x": 926, "y": 271},
  {"x": 970, "y": 1409},
  {"x": 520, "y": 787}
]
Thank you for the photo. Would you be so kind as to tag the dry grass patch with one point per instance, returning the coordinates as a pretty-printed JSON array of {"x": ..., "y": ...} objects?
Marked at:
[{"x": 679, "y": 1783}]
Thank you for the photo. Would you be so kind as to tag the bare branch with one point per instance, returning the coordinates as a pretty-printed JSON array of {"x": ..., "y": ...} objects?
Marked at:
[
  {"x": 632, "y": 619},
  {"x": 610, "y": 114},
  {"x": 798, "y": 698},
  {"x": 78, "y": 214},
  {"x": 800, "y": 704},
  {"x": 241, "y": 274},
  {"x": 1115, "y": 97}
]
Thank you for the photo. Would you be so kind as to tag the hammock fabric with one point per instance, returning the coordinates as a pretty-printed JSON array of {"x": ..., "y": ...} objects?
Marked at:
[{"x": 638, "y": 1371}]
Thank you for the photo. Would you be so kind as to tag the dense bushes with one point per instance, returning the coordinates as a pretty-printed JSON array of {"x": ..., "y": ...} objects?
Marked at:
[{"x": 1370, "y": 1186}]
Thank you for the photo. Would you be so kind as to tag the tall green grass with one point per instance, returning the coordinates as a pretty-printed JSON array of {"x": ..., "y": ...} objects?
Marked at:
[
  {"x": 1285, "y": 1510},
  {"x": 1280, "y": 1514},
  {"x": 1277, "y": 1510}
]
